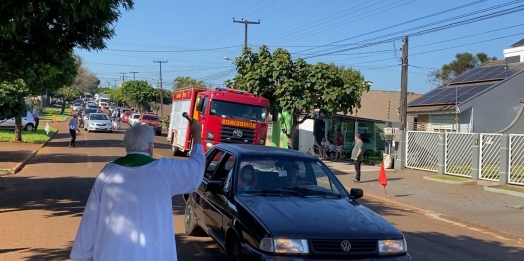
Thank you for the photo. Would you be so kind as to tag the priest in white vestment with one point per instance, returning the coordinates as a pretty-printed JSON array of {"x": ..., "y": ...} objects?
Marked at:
[{"x": 128, "y": 216}]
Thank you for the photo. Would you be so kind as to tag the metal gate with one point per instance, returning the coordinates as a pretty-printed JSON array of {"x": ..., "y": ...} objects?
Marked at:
[
  {"x": 490, "y": 156},
  {"x": 422, "y": 150}
]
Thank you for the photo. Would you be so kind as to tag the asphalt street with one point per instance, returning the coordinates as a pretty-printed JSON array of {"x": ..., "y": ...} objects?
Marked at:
[{"x": 41, "y": 207}]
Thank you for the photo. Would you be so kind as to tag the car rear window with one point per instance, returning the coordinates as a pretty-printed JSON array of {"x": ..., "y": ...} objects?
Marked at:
[{"x": 150, "y": 118}]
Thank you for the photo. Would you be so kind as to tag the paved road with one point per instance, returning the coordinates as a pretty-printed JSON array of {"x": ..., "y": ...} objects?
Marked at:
[{"x": 41, "y": 208}]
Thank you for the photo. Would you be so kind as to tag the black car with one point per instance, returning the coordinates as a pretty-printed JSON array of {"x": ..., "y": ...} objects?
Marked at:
[{"x": 267, "y": 203}]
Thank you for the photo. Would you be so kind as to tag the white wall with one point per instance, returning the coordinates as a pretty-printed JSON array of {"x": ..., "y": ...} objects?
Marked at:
[{"x": 306, "y": 139}]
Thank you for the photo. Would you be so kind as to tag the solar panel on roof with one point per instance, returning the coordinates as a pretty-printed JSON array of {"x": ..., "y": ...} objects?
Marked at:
[
  {"x": 421, "y": 100},
  {"x": 435, "y": 98},
  {"x": 474, "y": 91},
  {"x": 451, "y": 98},
  {"x": 463, "y": 77},
  {"x": 517, "y": 44}
]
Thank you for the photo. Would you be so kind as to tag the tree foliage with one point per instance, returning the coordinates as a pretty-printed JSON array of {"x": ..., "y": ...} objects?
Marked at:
[
  {"x": 138, "y": 93},
  {"x": 44, "y": 32},
  {"x": 12, "y": 103},
  {"x": 462, "y": 63},
  {"x": 186, "y": 81},
  {"x": 298, "y": 87},
  {"x": 85, "y": 80}
]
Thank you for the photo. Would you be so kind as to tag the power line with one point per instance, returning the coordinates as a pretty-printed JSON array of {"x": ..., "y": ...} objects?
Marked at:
[
  {"x": 431, "y": 30},
  {"x": 400, "y": 24},
  {"x": 173, "y": 51}
]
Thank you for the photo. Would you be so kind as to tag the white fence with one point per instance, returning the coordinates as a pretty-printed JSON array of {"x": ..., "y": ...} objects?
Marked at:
[
  {"x": 516, "y": 159},
  {"x": 422, "y": 152}
]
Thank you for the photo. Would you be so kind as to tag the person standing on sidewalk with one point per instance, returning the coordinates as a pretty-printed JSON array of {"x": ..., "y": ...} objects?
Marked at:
[
  {"x": 339, "y": 141},
  {"x": 356, "y": 155},
  {"x": 36, "y": 115},
  {"x": 128, "y": 215},
  {"x": 73, "y": 128}
]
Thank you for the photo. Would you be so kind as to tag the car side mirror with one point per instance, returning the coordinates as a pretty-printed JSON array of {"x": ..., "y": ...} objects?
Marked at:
[
  {"x": 274, "y": 114},
  {"x": 200, "y": 104},
  {"x": 356, "y": 193},
  {"x": 214, "y": 186}
]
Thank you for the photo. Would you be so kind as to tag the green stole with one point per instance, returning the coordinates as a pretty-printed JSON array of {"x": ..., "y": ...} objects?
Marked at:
[{"x": 134, "y": 160}]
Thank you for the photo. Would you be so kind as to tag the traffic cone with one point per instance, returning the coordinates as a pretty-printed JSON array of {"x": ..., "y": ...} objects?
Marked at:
[
  {"x": 54, "y": 121},
  {"x": 382, "y": 178}
]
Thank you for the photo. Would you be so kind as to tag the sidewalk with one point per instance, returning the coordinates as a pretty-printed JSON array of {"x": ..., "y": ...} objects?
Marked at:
[{"x": 467, "y": 203}]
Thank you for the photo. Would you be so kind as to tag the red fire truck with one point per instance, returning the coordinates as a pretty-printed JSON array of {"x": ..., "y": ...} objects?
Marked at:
[{"x": 227, "y": 116}]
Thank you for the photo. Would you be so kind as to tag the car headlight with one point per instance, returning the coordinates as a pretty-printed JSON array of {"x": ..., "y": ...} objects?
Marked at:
[
  {"x": 392, "y": 246},
  {"x": 210, "y": 135},
  {"x": 284, "y": 245},
  {"x": 91, "y": 124}
]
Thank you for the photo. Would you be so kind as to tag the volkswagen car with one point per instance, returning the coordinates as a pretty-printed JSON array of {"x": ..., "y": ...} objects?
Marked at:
[
  {"x": 98, "y": 122},
  {"x": 267, "y": 203}
]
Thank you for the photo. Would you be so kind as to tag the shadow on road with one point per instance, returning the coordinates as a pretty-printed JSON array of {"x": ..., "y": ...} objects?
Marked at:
[
  {"x": 69, "y": 158},
  {"x": 100, "y": 143},
  {"x": 67, "y": 196}
]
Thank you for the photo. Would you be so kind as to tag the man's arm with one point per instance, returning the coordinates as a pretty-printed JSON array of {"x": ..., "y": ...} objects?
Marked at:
[
  {"x": 185, "y": 176},
  {"x": 83, "y": 247},
  {"x": 359, "y": 152}
]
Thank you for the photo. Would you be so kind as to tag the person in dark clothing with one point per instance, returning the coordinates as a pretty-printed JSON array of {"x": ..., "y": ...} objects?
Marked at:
[
  {"x": 73, "y": 129},
  {"x": 357, "y": 156}
]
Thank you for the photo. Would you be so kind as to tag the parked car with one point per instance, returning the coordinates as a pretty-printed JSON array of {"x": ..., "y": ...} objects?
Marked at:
[
  {"x": 28, "y": 122},
  {"x": 153, "y": 121},
  {"x": 98, "y": 122},
  {"x": 133, "y": 119},
  {"x": 77, "y": 106},
  {"x": 267, "y": 203}
]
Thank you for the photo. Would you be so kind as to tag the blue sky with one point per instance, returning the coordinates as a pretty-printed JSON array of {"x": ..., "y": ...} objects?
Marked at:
[{"x": 195, "y": 36}]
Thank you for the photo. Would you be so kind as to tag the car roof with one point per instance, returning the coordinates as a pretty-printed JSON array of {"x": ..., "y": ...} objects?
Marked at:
[
  {"x": 97, "y": 113},
  {"x": 256, "y": 150}
]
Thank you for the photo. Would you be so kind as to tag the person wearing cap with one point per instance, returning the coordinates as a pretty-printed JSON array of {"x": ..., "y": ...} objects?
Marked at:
[{"x": 128, "y": 215}]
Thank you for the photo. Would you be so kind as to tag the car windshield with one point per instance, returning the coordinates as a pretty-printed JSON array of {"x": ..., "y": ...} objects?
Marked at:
[
  {"x": 136, "y": 116},
  {"x": 77, "y": 104},
  {"x": 273, "y": 174},
  {"x": 90, "y": 111},
  {"x": 150, "y": 118},
  {"x": 98, "y": 117},
  {"x": 238, "y": 110}
]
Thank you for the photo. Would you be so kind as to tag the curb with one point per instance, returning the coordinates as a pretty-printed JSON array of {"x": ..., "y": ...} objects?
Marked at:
[
  {"x": 452, "y": 182},
  {"x": 503, "y": 191},
  {"x": 448, "y": 219},
  {"x": 21, "y": 164}
]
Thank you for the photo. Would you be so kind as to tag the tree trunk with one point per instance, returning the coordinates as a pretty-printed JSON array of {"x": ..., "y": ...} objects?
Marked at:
[
  {"x": 63, "y": 107},
  {"x": 18, "y": 128},
  {"x": 290, "y": 133}
]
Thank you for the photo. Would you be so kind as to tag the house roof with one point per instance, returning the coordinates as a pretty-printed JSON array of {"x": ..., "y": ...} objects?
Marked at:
[
  {"x": 380, "y": 105},
  {"x": 468, "y": 85},
  {"x": 429, "y": 109},
  {"x": 518, "y": 44}
]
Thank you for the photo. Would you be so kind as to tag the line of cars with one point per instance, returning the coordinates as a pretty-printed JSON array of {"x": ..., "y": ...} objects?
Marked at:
[
  {"x": 150, "y": 119},
  {"x": 267, "y": 203}
]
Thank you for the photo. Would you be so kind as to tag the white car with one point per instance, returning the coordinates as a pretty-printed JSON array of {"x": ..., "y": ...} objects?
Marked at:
[
  {"x": 98, "y": 122},
  {"x": 133, "y": 119},
  {"x": 28, "y": 122},
  {"x": 77, "y": 107}
]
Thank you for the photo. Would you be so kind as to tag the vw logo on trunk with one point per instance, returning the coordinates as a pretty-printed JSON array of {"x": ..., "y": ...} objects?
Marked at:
[
  {"x": 237, "y": 134},
  {"x": 345, "y": 245}
]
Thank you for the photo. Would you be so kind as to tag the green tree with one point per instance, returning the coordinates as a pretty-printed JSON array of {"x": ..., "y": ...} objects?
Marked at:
[
  {"x": 12, "y": 103},
  {"x": 462, "y": 63},
  {"x": 298, "y": 87},
  {"x": 34, "y": 33},
  {"x": 85, "y": 80},
  {"x": 138, "y": 94},
  {"x": 186, "y": 81}
]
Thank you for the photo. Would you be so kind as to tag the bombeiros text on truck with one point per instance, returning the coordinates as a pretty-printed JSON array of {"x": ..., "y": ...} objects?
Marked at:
[{"x": 227, "y": 116}]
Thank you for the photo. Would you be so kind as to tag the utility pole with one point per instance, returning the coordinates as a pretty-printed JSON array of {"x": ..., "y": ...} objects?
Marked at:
[
  {"x": 134, "y": 75},
  {"x": 123, "y": 76},
  {"x": 246, "y": 23},
  {"x": 404, "y": 86},
  {"x": 161, "y": 88}
]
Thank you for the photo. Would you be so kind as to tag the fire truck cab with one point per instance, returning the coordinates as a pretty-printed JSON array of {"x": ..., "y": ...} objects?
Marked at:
[{"x": 227, "y": 116}]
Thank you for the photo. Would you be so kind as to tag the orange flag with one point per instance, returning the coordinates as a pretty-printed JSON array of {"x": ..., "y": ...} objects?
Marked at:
[{"x": 382, "y": 178}]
